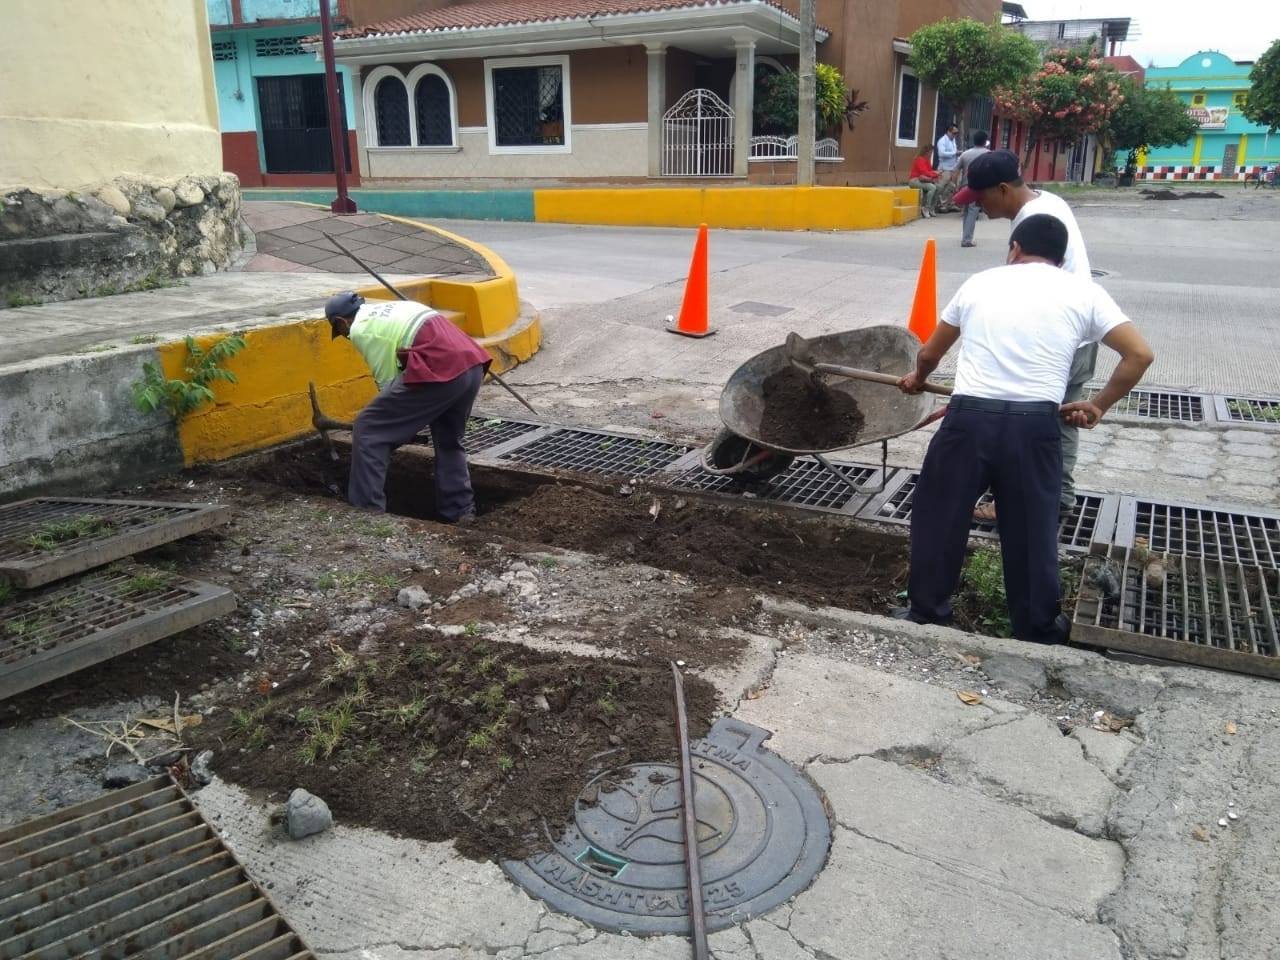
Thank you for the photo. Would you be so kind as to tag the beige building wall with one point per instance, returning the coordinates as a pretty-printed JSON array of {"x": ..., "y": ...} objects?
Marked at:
[{"x": 92, "y": 89}]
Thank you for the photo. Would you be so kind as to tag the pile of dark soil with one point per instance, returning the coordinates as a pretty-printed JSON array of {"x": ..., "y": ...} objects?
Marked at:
[
  {"x": 1167, "y": 194},
  {"x": 486, "y": 743},
  {"x": 801, "y": 414},
  {"x": 806, "y": 558}
]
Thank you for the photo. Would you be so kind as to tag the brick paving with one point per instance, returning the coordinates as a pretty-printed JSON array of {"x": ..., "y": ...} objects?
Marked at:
[{"x": 290, "y": 238}]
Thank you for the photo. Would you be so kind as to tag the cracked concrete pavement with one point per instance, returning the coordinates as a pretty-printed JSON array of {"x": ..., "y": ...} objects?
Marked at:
[{"x": 959, "y": 830}]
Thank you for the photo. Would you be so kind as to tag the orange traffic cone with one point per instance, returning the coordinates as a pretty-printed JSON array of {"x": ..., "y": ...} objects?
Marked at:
[
  {"x": 924, "y": 308},
  {"x": 693, "y": 311}
]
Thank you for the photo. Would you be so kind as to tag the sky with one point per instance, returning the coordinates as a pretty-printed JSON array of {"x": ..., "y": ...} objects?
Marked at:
[{"x": 1171, "y": 30}]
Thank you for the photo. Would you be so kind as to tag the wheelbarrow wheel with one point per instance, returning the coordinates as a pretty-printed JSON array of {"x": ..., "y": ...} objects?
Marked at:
[{"x": 748, "y": 462}]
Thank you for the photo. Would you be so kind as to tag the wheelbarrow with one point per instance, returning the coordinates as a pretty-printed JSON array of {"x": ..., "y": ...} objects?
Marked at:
[{"x": 884, "y": 353}]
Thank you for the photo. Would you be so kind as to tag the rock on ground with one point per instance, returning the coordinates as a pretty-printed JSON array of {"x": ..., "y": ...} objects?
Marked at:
[{"x": 306, "y": 814}]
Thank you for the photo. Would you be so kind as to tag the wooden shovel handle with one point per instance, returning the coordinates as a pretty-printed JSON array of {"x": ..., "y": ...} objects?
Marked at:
[{"x": 853, "y": 373}]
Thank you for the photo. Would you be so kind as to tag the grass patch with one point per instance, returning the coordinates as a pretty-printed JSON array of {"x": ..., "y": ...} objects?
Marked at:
[
  {"x": 22, "y": 300},
  {"x": 7, "y": 592},
  {"x": 51, "y": 533},
  {"x": 142, "y": 338},
  {"x": 146, "y": 582}
]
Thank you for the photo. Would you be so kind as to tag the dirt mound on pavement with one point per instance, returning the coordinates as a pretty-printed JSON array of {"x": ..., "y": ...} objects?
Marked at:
[{"x": 483, "y": 742}]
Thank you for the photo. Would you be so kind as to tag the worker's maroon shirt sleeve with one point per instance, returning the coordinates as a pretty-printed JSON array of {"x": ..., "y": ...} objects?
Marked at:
[{"x": 441, "y": 352}]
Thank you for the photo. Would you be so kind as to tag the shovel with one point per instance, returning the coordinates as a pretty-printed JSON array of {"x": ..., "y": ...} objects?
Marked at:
[{"x": 797, "y": 348}]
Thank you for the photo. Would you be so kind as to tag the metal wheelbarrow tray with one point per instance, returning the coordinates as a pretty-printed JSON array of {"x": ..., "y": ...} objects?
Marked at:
[{"x": 887, "y": 411}]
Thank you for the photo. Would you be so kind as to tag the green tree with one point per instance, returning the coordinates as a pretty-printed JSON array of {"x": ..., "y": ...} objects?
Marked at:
[
  {"x": 777, "y": 109},
  {"x": 1073, "y": 94},
  {"x": 1148, "y": 117},
  {"x": 1263, "y": 105},
  {"x": 967, "y": 58}
]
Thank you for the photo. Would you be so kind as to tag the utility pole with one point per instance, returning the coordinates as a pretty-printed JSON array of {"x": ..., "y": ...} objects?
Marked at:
[
  {"x": 337, "y": 129},
  {"x": 808, "y": 92}
]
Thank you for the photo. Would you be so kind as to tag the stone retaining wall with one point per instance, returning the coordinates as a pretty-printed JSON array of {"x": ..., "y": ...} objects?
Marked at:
[{"x": 130, "y": 233}]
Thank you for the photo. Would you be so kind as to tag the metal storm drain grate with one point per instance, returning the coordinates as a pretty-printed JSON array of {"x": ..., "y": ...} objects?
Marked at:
[
  {"x": 1192, "y": 531},
  {"x": 136, "y": 873},
  {"x": 598, "y": 453},
  {"x": 484, "y": 433},
  {"x": 805, "y": 482},
  {"x": 60, "y": 629},
  {"x": 1076, "y": 530},
  {"x": 762, "y": 837},
  {"x": 1157, "y": 405},
  {"x": 49, "y": 538},
  {"x": 1212, "y": 613},
  {"x": 1249, "y": 410}
]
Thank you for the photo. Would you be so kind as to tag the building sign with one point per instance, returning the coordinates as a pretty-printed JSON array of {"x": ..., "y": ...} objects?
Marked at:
[{"x": 1210, "y": 118}]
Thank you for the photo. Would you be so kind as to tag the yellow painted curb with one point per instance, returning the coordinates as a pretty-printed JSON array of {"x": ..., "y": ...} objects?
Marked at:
[
  {"x": 748, "y": 208},
  {"x": 268, "y": 404}
]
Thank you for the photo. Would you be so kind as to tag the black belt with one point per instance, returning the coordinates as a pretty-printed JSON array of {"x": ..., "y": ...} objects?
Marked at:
[{"x": 1024, "y": 408}]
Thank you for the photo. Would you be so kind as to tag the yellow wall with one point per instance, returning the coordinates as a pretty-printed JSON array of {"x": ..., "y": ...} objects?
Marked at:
[
  {"x": 755, "y": 208},
  {"x": 93, "y": 89}
]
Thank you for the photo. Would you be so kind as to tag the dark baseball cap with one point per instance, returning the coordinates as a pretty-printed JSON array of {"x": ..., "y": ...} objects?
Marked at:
[
  {"x": 988, "y": 170},
  {"x": 343, "y": 304}
]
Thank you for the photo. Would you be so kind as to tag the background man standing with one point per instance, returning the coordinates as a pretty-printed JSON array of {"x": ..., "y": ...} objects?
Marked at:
[
  {"x": 970, "y": 210},
  {"x": 948, "y": 155},
  {"x": 1019, "y": 327},
  {"x": 995, "y": 184},
  {"x": 428, "y": 373}
]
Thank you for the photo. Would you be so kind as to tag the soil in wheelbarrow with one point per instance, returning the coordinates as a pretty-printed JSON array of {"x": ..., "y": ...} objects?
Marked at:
[
  {"x": 465, "y": 739},
  {"x": 802, "y": 414}
]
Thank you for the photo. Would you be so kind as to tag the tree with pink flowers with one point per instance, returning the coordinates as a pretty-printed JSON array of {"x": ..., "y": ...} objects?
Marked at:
[{"x": 1073, "y": 94}]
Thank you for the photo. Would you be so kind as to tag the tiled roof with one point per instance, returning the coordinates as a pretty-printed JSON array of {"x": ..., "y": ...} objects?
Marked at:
[{"x": 479, "y": 14}]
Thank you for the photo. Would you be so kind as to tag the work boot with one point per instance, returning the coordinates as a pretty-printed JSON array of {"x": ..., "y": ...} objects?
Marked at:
[
  {"x": 466, "y": 520},
  {"x": 907, "y": 614},
  {"x": 1060, "y": 632}
]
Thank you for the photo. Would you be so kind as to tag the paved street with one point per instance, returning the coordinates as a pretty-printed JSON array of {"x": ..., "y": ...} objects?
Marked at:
[{"x": 1197, "y": 276}]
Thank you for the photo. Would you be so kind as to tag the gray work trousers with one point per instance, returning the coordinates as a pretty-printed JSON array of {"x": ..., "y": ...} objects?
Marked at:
[
  {"x": 1081, "y": 373},
  {"x": 971, "y": 211},
  {"x": 398, "y": 414}
]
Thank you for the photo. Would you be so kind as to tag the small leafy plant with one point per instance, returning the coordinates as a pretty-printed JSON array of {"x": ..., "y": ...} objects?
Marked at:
[
  {"x": 983, "y": 580},
  {"x": 180, "y": 397}
]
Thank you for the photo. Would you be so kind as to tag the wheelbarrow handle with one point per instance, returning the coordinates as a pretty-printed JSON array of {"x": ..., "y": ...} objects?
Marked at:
[{"x": 853, "y": 373}]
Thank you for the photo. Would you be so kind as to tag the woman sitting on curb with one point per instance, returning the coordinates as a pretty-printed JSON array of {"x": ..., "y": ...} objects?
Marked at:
[{"x": 925, "y": 179}]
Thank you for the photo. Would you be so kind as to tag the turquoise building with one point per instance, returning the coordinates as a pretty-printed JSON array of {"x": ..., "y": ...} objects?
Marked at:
[
  {"x": 271, "y": 100},
  {"x": 1228, "y": 146}
]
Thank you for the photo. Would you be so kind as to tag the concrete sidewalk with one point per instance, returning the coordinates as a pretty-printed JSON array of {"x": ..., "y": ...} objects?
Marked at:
[{"x": 288, "y": 271}]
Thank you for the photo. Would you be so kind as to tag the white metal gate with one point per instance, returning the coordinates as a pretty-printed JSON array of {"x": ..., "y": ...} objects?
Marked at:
[{"x": 697, "y": 137}]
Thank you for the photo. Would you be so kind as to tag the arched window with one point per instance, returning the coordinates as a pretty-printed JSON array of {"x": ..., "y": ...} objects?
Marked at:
[
  {"x": 431, "y": 109},
  {"x": 391, "y": 112}
]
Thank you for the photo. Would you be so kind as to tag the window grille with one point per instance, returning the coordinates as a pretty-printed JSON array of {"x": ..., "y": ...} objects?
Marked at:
[
  {"x": 431, "y": 105},
  {"x": 278, "y": 47},
  {"x": 391, "y": 111},
  {"x": 908, "y": 107},
  {"x": 528, "y": 106},
  {"x": 224, "y": 50}
]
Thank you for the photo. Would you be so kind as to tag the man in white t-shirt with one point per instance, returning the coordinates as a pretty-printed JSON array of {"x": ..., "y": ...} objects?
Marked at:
[
  {"x": 1019, "y": 327},
  {"x": 995, "y": 184}
]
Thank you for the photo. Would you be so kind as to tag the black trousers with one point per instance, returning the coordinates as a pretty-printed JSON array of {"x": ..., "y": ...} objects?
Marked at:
[
  {"x": 1017, "y": 453},
  {"x": 394, "y": 417}
]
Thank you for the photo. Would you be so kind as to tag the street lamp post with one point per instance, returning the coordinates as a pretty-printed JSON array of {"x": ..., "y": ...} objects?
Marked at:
[
  {"x": 807, "y": 92},
  {"x": 337, "y": 129}
]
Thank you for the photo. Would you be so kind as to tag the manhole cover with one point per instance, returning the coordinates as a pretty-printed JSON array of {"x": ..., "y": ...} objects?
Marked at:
[{"x": 762, "y": 831}]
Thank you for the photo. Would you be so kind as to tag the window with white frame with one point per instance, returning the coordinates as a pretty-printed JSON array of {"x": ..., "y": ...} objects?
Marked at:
[
  {"x": 528, "y": 104},
  {"x": 417, "y": 111},
  {"x": 906, "y": 134},
  {"x": 391, "y": 113}
]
